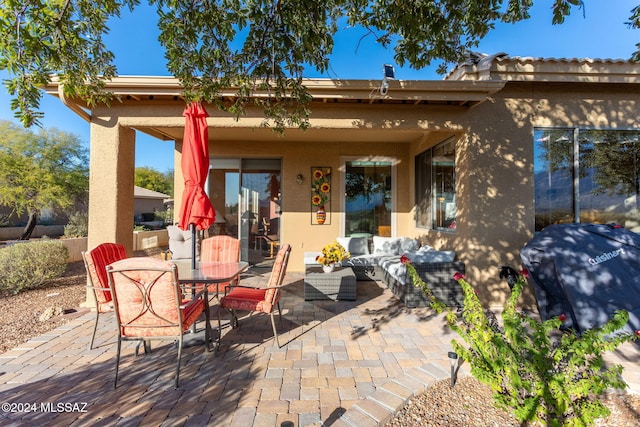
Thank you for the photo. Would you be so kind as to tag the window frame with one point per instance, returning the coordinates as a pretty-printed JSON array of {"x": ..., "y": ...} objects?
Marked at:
[
  {"x": 394, "y": 186},
  {"x": 426, "y": 183},
  {"x": 579, "y": 213}
]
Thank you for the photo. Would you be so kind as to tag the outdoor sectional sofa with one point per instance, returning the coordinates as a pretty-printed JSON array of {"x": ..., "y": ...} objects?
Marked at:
[{"x": 383, "y": 263}]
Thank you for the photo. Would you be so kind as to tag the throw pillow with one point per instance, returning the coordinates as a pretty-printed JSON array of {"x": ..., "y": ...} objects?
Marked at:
[{"x": 385, "y": 245}]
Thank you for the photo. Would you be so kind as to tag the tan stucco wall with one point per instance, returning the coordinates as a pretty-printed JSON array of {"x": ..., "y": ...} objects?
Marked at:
[
  {"x": 112, "y": 158},
  {"x": 494, "y": 164}
]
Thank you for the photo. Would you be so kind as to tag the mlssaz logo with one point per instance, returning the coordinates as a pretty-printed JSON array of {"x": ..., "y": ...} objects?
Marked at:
[{"x": 607, "y": 256}]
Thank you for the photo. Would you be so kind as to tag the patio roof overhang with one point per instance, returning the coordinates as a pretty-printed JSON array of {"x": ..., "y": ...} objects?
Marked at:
[{"x": 150, "y": 90}]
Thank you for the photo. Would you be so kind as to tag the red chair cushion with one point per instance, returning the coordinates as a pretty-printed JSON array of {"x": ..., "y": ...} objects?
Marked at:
[
  {"x": 248, "y": 299},
  {"x": 97, "y": 260}
]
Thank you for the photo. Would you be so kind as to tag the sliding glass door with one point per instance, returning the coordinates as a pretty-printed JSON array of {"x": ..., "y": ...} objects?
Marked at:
[{"x": 246, "y": 196}]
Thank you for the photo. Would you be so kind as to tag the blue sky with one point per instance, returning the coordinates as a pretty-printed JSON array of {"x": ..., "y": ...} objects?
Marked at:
[{"x": 600, "y": 33}]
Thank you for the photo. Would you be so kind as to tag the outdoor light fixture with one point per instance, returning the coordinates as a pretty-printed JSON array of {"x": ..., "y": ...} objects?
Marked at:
[
  {"x": 388, "y": 74},
  {"x": 299, "y": 178},
  {"x": 453, "y": 360}
]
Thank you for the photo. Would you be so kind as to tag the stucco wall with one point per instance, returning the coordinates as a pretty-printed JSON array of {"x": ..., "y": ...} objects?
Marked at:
[
  {"x": 494, "y": 163},
  {"x": 12, "y": 233},
  {"x": 141, "y": 240},
  {"x": 494, "y": 166}
]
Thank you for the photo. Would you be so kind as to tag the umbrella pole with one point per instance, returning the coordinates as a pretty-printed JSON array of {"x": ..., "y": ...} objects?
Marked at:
[{"x": 193, "y": 245}]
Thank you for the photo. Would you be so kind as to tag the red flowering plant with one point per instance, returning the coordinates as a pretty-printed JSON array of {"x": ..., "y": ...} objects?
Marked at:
[{"x": 541, "y": 373}]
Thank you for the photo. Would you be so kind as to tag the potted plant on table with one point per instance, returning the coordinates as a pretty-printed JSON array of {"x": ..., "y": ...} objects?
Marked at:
[{"x": 332, "y": 254}]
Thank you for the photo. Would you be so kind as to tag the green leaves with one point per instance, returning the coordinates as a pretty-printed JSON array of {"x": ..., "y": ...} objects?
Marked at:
[
  {"x": 258, "y": 49},
  {"x": 44, "y": 170},
  {"x": 30, "y": 265},
  {"x": 152, "y": 179},
  {"x": 40, "y": 38},
  {"x": 542, "y": 374}
]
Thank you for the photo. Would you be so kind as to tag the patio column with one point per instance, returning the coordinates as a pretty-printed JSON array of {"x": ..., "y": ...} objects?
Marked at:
[{"x": 111, "y": 177}]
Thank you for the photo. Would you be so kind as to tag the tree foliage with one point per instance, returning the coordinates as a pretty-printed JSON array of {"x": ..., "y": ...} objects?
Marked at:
[
  {"x": 613, "y": 155},
  {"x": 152, "y": 179},
  {"x": 251, "y": 45},
  {"x": 44, "y": 170}
]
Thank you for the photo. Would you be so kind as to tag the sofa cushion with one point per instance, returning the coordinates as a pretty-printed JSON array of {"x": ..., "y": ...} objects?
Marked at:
[
  {"x": 310, "y": 258},
  {"x": 366, "y": 260},
  {"x": 407, "y": 244},
  {"x": 430, "y": 256},
  {"x": 394, "y": 245},
  {"x": 355, "y": 245},
  {"x": 385, "y": 245},
  {"x": 387, "y": 261},
  {"x": 180, "y": 243}
]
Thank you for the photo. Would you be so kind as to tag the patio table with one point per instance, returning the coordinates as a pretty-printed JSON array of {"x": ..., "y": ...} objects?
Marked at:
[
  {"x": 337, "y": 285},
  {"x": 209, "y": 272}
]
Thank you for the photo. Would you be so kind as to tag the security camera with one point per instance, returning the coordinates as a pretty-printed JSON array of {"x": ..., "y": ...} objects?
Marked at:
[
  {"x": 388, "y": 73},
  {"x": 384, "y": 88}
]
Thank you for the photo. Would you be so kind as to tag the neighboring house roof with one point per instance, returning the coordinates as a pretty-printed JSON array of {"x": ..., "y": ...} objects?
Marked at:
[
  {"x": 143, "y": 193},
  {"x": 501, "y": 67}
]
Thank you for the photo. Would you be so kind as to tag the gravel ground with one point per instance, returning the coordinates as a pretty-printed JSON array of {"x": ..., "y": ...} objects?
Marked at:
[
  {"x": 469, "y": 403},
  {"x": 22, "y": 313}
]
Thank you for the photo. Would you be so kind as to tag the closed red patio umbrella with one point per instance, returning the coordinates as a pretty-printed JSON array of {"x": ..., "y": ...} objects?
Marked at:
[{"x": 196, "y": 210}]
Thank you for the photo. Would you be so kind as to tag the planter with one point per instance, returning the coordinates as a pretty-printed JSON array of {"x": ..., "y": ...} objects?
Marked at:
[
  {"x": 328, "y": 268},
  {"x": 321, "y": 215}
]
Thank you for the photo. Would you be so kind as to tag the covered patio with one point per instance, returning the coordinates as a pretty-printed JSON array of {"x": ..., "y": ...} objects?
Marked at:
[{"x": 462, "y": 157}]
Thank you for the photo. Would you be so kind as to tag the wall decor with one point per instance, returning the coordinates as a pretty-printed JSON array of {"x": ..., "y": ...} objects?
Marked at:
[{"x": 320, "y": 195}]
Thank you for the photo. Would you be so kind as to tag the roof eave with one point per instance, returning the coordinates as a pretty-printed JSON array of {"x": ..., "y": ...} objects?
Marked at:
[{"x": 139, "y": 88}]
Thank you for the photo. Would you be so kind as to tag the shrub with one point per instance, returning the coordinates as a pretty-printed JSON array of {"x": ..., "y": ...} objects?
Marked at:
[
  {"x": 31, "y": 264},
  {"x": 78, "y": 225},
  {"x": 537, "y": 371}
]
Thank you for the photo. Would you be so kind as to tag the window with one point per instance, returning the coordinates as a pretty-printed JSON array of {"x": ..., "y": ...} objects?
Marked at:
[
  {"x": 436, "y": 187},
  {"x": 368, "y": 198},
  {"x": 586, "y": 176}
]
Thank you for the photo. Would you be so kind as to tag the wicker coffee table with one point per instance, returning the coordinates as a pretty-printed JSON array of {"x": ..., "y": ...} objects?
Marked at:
[{"x": 338, "y": 285}]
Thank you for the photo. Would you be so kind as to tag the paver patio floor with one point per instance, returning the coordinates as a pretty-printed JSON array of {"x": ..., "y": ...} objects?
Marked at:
[{"x": 341, "y": 363}]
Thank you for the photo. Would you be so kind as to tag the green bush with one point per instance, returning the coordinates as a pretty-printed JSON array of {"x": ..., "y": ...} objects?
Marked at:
[
  {"x": 539, "y": 372},
  {"x": 77, "y": 226},
  {"x": 31, "y": 264}
]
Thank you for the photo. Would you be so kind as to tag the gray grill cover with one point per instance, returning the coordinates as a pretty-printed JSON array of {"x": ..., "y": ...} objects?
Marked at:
[{"x": 587, "y": 272}]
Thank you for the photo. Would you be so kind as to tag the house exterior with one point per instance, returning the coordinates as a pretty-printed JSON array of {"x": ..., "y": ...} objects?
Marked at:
[
  {"x": 147, "y": 202},
  {"x": 473, "y": 163}
]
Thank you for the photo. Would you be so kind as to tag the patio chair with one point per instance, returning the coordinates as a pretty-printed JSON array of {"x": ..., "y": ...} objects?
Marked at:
[
  {"x": 222, "y": 249},
  {"x": 257, "y": 299},
  {"x": 266, "y": 237},
  {"x": 95, "y": 262},
  {"x": 148, "y": 302}
]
